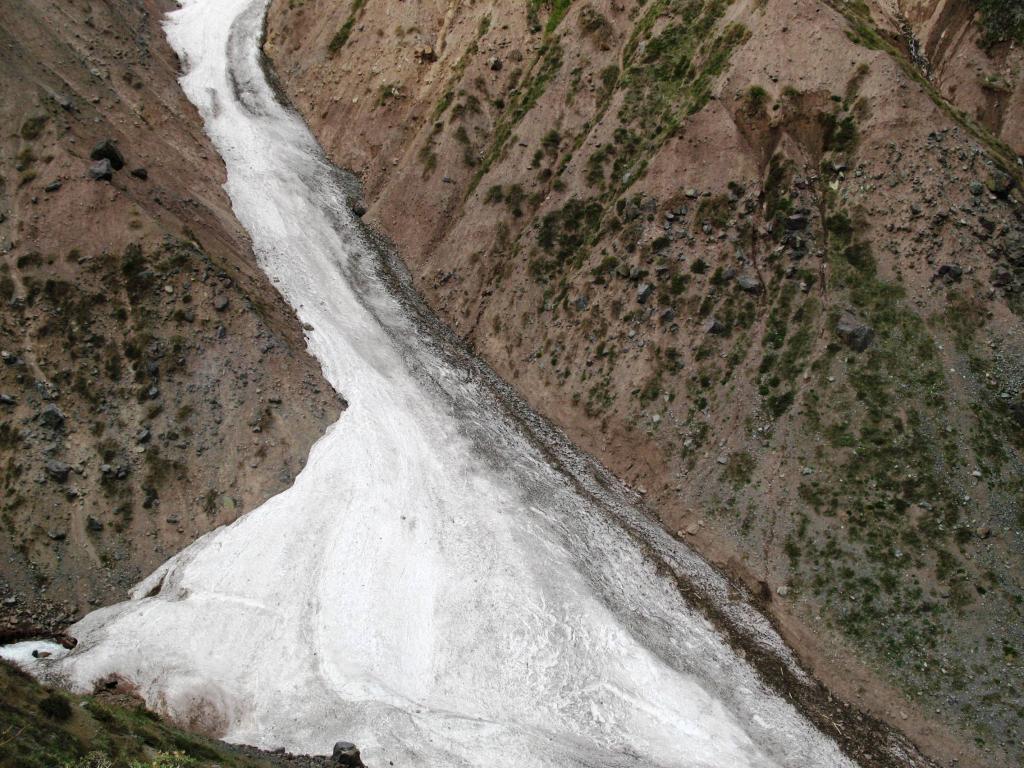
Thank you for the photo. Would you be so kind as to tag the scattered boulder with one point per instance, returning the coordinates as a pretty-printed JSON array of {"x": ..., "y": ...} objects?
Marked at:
[
  {"x": 346, "y": 754},
  {"x": 796, "y": 222},
  {"x": 58, "y": 470},
  {"x": 101, "y": 170},
  {"x": 857, "y": 334},
  {"x": 950, "y": 273},
  {"x": 220, "y": 302},
  {"x": 53, "y": 186},
  {"x": 7, "y": 400},
  {"x": 999, "y": 183},
  {"x": 749, "y": 283},
  {"x": 713, "y": 326},
  {"x": 644, "y": 292},
  {"x": 52, "y": 416},
  {"x": 93, "y": 525},
  {"x": 140, "y": 173},
  {"x": 359, "y": 208},
  {"x": 494, "y": 63},
  {"x": 425, "y": 54},
  {"x": 107, "y": 150}
]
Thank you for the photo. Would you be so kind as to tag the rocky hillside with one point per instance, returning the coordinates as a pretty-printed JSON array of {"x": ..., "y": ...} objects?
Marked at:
[
  {"x": 763, "y": 258},
  {"x": 152, "y": 384},
  {"x": 43, "y": 728}
]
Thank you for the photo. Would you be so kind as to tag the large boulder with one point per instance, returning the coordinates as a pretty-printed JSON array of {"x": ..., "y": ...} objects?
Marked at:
[
  {"x": 58, "y": 470},
  {"x": 749, "y": 283},
  {"x": 52, "y": 416},
  {"x": 857, "y": 334},
  {"x": 347, "y": 754},
  {"x": 107, "y": 150}
]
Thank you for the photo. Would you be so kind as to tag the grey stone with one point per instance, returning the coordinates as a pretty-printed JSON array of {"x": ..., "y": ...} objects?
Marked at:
[
  {"x": 220, "y": 302},
  {"x": 58, "y": 470},
  {"x": 999, "y": 183},
  {"x": 857, "y": 334},
  {"x": 92, "y": 524},
  {"x": 713, "y": 326},
  {"x": 107, "y": 150},
  {"x": 101, "y": 170},
  {"x": 52, "y": 416},
  {"x": 950, "y": 273},
  {"x": 346, "y": 754},
  {"x": 749, "y": 283},
  {"x": 643, "y": 292},
  {"x": 53, "y": 186}
]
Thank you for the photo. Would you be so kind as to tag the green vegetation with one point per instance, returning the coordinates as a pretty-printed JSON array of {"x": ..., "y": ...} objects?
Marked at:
[
  {"x": 342, "y": 35},
  {"x": 40, "y": 728},
  {"x": 556, "y": 10},
  {"x": 1001, "y": 20},
  {"x": 32, "y": 128},
  {"x": 564, "y": 234}
]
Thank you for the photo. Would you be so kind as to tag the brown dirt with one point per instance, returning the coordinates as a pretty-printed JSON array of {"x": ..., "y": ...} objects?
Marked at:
[{"x": 180, "y": 413}]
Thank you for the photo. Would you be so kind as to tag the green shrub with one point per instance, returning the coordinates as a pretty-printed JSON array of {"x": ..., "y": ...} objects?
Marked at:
[{"x": 56, "y": 707}]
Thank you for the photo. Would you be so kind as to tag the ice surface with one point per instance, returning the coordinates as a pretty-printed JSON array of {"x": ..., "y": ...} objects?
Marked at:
[{"x": 447, "y": 583}]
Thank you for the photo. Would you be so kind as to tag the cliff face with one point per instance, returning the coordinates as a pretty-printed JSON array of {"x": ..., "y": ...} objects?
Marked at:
[
  {"x": 153, "y": 385},
  {"x": 971, "y": 51},
  {"x": 749, "y": 256}
]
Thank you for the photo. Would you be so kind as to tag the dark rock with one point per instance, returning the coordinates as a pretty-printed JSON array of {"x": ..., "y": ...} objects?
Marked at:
[
  {"x": 143, "y": 435},
  {"x": 53, "y": 186},
  {"x": 668, "y": 315},
  {"x": 713, "y": 326},
  {"x": 643, "y": 292},
  {"x": 92, "y": 524},
  {"x": 857, "y": 334},
  {"x": 999, "y": 183},
  {"x": 7, "y": 400},
  {"x": 495, "y": 64},
  {"x": 1000, "y": 278},
  {"x": 220, "y": 302},
  {"x": 796, "y": 222},
  {"x": 346, "y": 754},
  {"x": 101, "y": 170},
  {"x": 58, "y": 470},
  {"x": 52, "y": 416},
  {"x": 582, "y": 302},
  {"x": 107, "y": 150},
  {"x": 749, "y": 283},
  {"x": 359, "y": 208},
  {"x": 140, "y": 173},
  {"x": 950, "y": 273}
]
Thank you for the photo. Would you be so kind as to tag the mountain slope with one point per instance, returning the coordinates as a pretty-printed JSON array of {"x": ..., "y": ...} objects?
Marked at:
[
  {"x": 153, "y": 384},
  {"x": 748, "y": 256}
]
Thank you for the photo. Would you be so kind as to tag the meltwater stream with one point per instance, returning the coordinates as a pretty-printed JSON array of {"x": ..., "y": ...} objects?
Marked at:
[{"x": 447, "y": 583}]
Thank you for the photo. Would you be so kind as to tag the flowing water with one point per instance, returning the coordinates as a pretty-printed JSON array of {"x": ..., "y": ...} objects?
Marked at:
[{"x": 447, "y": 583}]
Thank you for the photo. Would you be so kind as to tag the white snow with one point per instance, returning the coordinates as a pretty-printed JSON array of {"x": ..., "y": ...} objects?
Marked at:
[{"x": 433, "y": 587}]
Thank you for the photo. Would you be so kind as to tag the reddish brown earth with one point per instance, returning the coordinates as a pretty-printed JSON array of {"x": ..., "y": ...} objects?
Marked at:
[
  {"x": 652, "y": 220},
  {"x": 154, "y": 384}
]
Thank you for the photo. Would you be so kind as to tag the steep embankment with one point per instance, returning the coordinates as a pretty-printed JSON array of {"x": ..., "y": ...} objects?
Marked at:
[
  {"x": 748, "y": 256},
  {"x": 153, "y": 384},
  {"x": 972, "y": 52}
]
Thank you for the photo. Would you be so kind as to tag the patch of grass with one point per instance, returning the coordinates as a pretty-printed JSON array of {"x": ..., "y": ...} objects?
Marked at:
[
  {"x": 342, "y": 35},
  {"x": 33, "y": 127}
]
